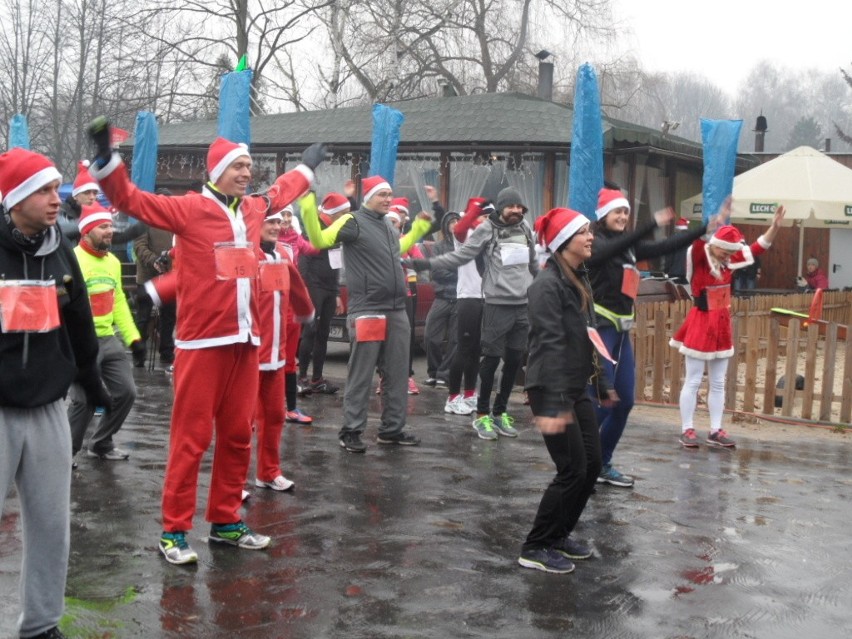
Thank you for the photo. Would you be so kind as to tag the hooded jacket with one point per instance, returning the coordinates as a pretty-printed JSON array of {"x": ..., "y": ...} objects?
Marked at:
[
  {"x": 501, "y": 284},
  {"x": 445, "y": 280},
  {"x": 38, "y": 368}
]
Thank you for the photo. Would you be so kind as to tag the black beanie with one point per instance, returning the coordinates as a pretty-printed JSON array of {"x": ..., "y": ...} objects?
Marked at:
[{"x": 507, "y": 197}]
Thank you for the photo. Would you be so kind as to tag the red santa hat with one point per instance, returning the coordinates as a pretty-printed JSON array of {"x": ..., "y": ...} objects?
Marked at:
[
  {"x": 400, "y": 205},
  {"x": 372, "y": 185},
  {"x": 221, "y": 154},
  {"x": 682, "y": 224},
  {"x": 93, "y": 216},
  {"x": 22, "y": 173},
  {"x": 609, "y": 199},
  {"x": 84, "y": 181},
  {"x": 334, "y": 203},
  {"x": 557, "y": 226},
  {"x": 728, "y": 237}
]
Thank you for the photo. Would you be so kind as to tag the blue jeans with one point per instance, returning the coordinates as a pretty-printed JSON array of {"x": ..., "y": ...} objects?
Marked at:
[{"x": 623, "y": 377}]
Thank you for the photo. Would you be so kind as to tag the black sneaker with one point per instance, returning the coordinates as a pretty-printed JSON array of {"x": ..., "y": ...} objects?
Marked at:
[
  {"x": 430, "y": 381},
  {"x": 400, "y": 439},
  {"x": 546, "y": 559},
  {"x": 351, "y": 442},
  {"x": 323, "y": 387},
  {"x": 573, "y": 549}
]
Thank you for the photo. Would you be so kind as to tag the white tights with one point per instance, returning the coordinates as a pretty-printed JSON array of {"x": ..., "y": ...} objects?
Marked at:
[{"x": 716, "y": 369}]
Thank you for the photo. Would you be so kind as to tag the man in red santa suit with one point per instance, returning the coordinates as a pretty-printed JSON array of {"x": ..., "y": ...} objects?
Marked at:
[{"x": 217, "y": 237}]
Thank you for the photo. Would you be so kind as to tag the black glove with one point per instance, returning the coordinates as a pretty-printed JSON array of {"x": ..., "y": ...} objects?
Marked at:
[
  {"x": 99, "y": 132},
  {"x": 139, "y": 352},
  {"x": 314, "y": 155},
  {"x": 419, "y": 264},
  {"x": 93, "y": 385}
]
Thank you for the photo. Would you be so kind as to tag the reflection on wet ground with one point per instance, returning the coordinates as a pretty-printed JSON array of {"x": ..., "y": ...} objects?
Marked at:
[{"x": 423, "y": 542}]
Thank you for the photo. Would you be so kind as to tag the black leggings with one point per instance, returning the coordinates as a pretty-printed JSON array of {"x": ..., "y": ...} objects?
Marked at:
[
  {"x": 577, "y": 455},
  {"x": 314, "y": 344},
  {"x": 487, "y": 370},
  {"x": 466, "y": 361}
]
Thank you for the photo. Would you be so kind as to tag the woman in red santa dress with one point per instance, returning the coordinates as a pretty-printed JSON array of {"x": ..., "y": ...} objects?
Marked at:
[{"x": 706, "y": 336}]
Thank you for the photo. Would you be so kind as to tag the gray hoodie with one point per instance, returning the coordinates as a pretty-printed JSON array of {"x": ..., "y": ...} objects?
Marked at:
[{"x": 509, "y": 259}]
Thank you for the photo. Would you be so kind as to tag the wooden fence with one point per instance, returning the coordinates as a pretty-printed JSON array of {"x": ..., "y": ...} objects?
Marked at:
[{"x": 766, "y": 351}]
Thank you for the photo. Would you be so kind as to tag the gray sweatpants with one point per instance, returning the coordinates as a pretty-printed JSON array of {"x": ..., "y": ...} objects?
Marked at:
[
  {"x": 35, "y": 453},
  {"x": 391, "y": 358},
  {"x": 118, "y": 377}
]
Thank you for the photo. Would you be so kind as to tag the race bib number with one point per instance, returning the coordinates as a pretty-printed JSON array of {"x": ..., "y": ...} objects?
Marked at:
[
  {"x": 371, "y": 328},
  {"x": 28, "y": 306},
  {"x": 335, "y": 258},
  {"x": 630, "y": 281},
  {"x": 102, "y": 303},
  {"x": 274, "y": 276},
  {"x": 599, "y": 345},
  {"x": 718, "y": 297},
  {"x": 511, "y": 254},
  {"x": 235, "y": 260}
]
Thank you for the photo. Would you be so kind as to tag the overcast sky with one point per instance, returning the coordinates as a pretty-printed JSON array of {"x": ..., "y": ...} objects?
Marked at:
[{"x": 724, "y": 39}]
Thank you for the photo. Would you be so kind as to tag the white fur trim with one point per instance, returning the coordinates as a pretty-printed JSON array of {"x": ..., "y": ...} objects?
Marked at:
[
  {"x": 274, "y": 216},
  {"x": 691, "y": 352},
  {"x": 88, "y": 186},
  {"x": 104, "y": 216},
  {"x": 617, "y": 203},
  {"x": 305, "y": 170},
  {"x": 764, "y": 242},
  {"x": 376, "y": 189},
  {"x": 393, "y": 216},
  {"x": 336, "y": 209},
  {"x": 748, "y": 259},
  {"x": 240, "y": 150},
  {"x": 399, "y": 207},
  {"x": 107, "y": 170},
  {"x": 153, "y": 293},
  {"x": 728, "y": 246},
  {"x": 567, "y": 232},
  {"x": 30, "y": 186}
]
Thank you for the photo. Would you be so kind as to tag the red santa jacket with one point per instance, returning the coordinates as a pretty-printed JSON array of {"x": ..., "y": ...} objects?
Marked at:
[
  {"x": 275, "y": 306},
  {"x": 699, "y": 265},
  {"x": 212, "y": 312}
]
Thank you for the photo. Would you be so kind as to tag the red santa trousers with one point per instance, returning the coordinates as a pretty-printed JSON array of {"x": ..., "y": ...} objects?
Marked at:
[
  {"x": 269, "y": 420},
  {"x": 212, "y": 385}
]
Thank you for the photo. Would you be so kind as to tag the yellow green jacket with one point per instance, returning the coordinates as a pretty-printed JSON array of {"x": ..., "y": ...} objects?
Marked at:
[{"x": 106, "y": 295}]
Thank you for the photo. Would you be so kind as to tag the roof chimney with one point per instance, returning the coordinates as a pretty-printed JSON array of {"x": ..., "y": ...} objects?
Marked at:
[
  {"x": 760, "y": 129},
  {"x": 545, "y": 75},
  {"x": 828, "y": 145}
]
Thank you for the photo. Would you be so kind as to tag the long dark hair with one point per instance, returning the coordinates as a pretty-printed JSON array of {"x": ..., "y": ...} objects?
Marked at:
[{"x": 576, "y": 281}]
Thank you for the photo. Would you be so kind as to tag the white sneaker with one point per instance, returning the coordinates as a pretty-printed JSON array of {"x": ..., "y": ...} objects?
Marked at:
[
  {"x": 457, "y": 406},
  {"x": 280, "y": 483},
  {"x": 471, "y": 402},
  {"x": 245, "y": 495}
]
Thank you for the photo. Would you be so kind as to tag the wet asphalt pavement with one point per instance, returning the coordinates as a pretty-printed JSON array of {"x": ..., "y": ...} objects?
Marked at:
[{"x": 423, "y": 542}]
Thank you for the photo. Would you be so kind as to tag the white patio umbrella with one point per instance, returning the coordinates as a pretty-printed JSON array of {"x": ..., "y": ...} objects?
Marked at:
[{"x": 815, "y": 189}]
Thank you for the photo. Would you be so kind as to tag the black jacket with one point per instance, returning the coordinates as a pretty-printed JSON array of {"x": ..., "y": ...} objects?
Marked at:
[
  {"x": 38, "y": 368},
  {"x": 561, "y": 355},
  {"x": 611, "y": 251},
  {"x": 316, "y": 269}
]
